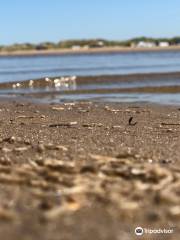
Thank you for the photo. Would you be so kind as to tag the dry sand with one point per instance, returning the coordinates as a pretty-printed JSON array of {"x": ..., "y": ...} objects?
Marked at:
[{"x": 88, "y": 170}]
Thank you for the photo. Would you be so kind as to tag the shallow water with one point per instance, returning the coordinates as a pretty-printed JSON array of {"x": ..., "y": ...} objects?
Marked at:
[
  {"x": 32, "y": 67},
  {"x": 165, "y": 99}
]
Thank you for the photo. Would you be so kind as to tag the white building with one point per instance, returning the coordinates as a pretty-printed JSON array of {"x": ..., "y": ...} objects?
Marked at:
[
  {"x": 163, "y": 44},
  {"x": 76, "y": 47},
  {"x": 100, "y": 43},
  {"x": 143, "y": 44},
  {"x": 86, "y": 47}
]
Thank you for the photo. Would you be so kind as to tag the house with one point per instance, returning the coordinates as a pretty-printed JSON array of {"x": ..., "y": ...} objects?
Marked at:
[
  {"x": 143, "y": 44},
  {"x": 100, "y": 44},
  {"x": 163, "y": 44},
  {"x": 97, "y": 44},
  {"x": 76, "y": 47},
  {"x": 86, "y": 47}
]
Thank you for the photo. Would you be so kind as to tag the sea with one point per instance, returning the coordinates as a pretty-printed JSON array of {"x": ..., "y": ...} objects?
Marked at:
[{"x": 20, "y": 68}]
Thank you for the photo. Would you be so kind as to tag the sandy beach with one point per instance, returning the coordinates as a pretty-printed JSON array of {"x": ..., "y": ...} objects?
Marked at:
[
  {"x": 88, "y": 170},
  {"x": 90, "y": 120},
  {"x": 88, "y": 51}
]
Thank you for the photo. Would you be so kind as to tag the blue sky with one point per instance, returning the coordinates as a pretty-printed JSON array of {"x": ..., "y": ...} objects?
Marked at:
[{"x": 54, "y": 20}]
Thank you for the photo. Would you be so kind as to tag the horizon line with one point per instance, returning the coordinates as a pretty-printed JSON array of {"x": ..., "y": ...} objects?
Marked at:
[{"x": 91, "y": 39}]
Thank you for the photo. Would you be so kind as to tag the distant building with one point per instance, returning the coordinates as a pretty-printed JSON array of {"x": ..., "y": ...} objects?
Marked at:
[
  {"x": 100, "y": 44},
  {"x": 143, "y": 44},
  {"x": 76, "y": 47},
  {"x": 97, "y": 44},
  {"x": 133, "y": 45},
  {"x": 163, "y": 44},
  {"x": 86, "y": 47}
]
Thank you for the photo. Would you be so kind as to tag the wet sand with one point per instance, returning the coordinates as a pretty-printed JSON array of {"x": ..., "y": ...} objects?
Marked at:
[
  {"x": 88, "y": 170},
  {"x": 87, "y": 51}
]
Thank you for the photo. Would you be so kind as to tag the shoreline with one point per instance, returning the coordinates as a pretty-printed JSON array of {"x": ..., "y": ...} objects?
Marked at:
[
  {"x": 102, "y": 78},
  {"x": 88, "y": 51},
  {"x": 39, "y": 90}
]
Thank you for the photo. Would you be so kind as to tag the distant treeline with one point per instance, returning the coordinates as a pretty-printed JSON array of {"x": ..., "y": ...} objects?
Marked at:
[{"x": 87, "y": 43}]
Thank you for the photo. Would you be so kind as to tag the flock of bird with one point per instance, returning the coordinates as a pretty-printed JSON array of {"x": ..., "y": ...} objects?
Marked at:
[{"x": 62, "y": 83}]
